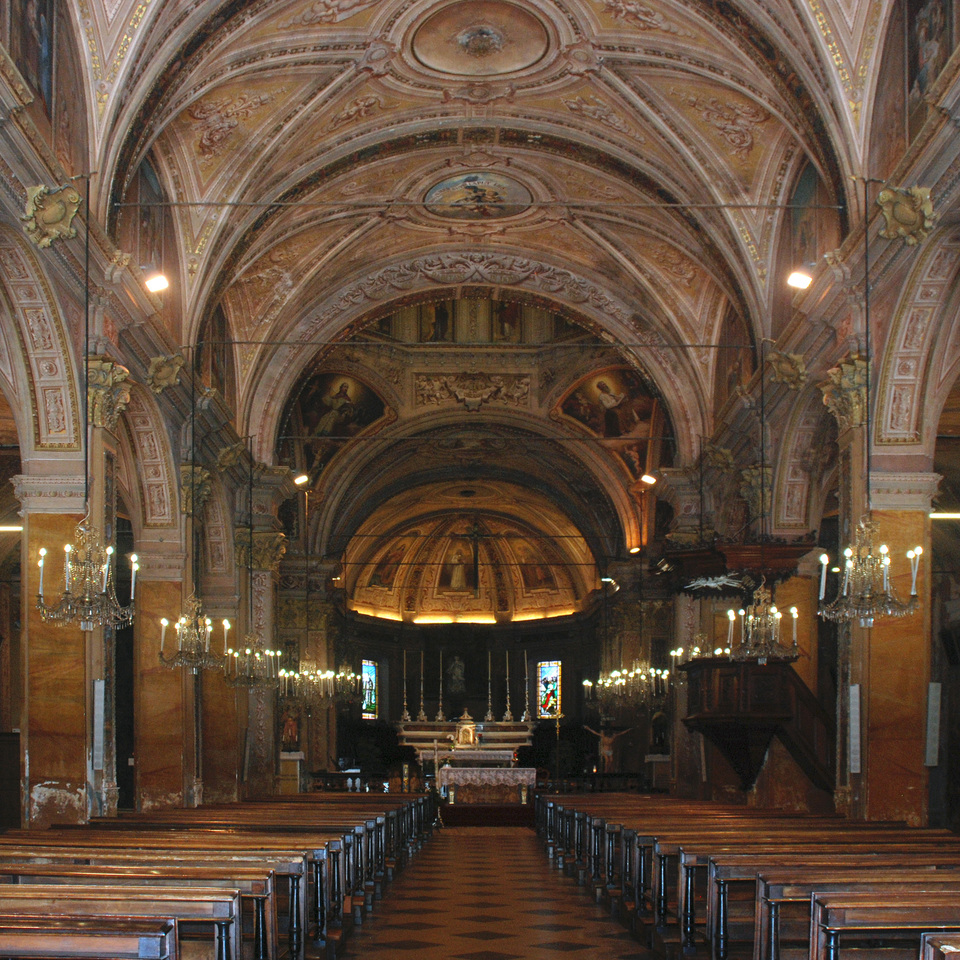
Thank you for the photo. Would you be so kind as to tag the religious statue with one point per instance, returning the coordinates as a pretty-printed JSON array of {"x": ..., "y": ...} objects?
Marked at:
[
  {"x": 607, "y": 738},
  {"x": 455, "y": 683},
  {"x": 290, "y": 734}
]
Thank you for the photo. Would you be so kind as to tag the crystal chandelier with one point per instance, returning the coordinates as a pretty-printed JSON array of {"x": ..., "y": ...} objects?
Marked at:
[
  {"x": 864, "y": 591},
  {"x": 89, "y": 597},
  {"x": 321, "y": 688},
  {"x": 252, "y": 664},
  {"x": 193, "y": 631},
  {"x": 761, "y": 630},
  {"x": 641, "y": 686}
]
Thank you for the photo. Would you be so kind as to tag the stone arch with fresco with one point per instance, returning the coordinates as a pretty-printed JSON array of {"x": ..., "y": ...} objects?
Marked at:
[
  {"x": 611, "y": 314},
  {"x": 922, "y": 352},
  {"x": 41, "y": 366},
  {"x": 799, "y": 467},
  {"x": 149, "y": 469}
]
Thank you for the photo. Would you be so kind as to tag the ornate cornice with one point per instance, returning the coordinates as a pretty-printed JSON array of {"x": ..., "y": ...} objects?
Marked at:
[
  {"x": 49, "y": 494},
  {"x": 903, "y": 491}
]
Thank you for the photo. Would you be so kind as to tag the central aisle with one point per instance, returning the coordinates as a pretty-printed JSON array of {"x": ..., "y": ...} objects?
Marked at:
[{"x": 488, "y": 893}]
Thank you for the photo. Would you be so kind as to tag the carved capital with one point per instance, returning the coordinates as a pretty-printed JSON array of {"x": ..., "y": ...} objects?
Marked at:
[
  {"x": 195, "y": 488},
  {"x": 908, "y": 212},
  {"x": 107, "y": 392},
  {"x": 756, "y": 487},
  {"x": 164, "y": 372},
  {"x": 268, "y": 549},
  {"x": 845, "y": 392},
  {"x": 787, "y": 368},
  {"x": 49, "y": 214}
]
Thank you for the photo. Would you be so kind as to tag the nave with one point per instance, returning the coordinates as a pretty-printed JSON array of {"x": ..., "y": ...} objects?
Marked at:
[{"x": 489, "y": 893}]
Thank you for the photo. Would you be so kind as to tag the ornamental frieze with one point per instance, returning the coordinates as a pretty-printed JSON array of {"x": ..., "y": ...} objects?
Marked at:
[{"x": 473, "y": 390}]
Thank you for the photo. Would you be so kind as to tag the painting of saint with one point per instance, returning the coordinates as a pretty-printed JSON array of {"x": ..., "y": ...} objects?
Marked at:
[
  {"x": 535, "y": 572},
  {"x": 436, "y": 323},
  {"x": 929, "y": 45},
  {"x": 804, "y": 219},
  {"x": 385, "y": 572},
  {"x": 613, "y": 404},
  {"x": 456, "y": 573},
  {"x": 32, "y": 42}
]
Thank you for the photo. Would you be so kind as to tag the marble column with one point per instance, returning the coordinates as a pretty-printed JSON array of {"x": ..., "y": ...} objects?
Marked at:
[{"x": 55, "y": 743}]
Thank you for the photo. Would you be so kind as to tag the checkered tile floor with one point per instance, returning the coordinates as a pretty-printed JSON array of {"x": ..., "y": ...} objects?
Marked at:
[{"x": 488, "y": 893}]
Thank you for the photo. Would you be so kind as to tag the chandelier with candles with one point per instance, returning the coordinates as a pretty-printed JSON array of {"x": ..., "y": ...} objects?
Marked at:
[
  {"x": 193, "y": 634},
  {"x": 761, "y": 630}
]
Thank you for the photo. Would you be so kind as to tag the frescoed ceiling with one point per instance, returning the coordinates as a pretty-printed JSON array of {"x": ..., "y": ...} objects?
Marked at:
[{"x": 622, "y": 164}]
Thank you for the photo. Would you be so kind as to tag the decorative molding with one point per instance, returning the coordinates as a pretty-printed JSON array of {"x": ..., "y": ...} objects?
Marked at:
[
  {"x": 908, "y": 212},
  {"x": 161, "y": 566},
  {"x": 164, "y": 372},
  {"x": 49, "y": 214},
  {"x": 268, "y": 549},
  {"x": 473, "y": 390},
  {"x": 845, "y": 392},
  {"x": 903, "y": 491},
  {"x": 788, "y": 368},
  {"x": 153, "y": 463},
  {"x": 49, "y": 494},
  {"x": 107, "y": 392},
  {"x": 195, "y": 488}
]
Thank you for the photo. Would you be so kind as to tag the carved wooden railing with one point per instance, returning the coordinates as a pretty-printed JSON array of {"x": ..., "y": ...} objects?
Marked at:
[{"x": 740, "y": 706}]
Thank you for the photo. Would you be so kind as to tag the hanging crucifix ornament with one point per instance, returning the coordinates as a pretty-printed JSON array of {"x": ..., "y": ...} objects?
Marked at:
[{"x": 473, "y": 535}]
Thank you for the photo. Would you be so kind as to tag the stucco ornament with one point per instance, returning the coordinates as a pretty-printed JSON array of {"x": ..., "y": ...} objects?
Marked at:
[
  {"x": 845, "y": 392},
  {"x": 49, "y": 214},
  {"x": 718, "y": 458},
  {"x": 788, "y": 368},
  {"x": 756, "y": 487},
  {"x": 230, "y": 456},
  {"x": 908, "y": 212},
  {"x": 164, "y": 372},
  {"x": 107, "y": 391}
]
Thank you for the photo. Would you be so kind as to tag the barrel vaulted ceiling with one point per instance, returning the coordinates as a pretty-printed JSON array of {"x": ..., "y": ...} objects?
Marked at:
[{"x": 621, "y": 163}]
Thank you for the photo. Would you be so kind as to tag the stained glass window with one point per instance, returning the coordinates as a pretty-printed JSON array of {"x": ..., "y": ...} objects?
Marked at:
[
  {"x": 548, "y": 688},
  {"x": 368, "y": 673}
]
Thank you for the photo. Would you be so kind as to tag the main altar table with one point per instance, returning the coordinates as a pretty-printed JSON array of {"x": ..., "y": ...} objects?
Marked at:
[{"x": 487, "y": 784}]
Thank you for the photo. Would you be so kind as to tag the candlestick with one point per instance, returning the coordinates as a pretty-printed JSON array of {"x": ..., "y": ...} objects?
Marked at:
[
  {"x": 226, "y": 630},
  {"x": 730, "y": 616},
  {"x": 824, "y": 560},
  {"x": 106, "y": 569},
  {"x": 794, "y": 613},
  {"x": 134, "y": 567},
  {"x": 422, "y": 715},
  {"x": 66, "y": 567},
  {"x": 43, "y": 553},
  {"x": 164, "y": 623},
  {"x": 489, "y": 718}
]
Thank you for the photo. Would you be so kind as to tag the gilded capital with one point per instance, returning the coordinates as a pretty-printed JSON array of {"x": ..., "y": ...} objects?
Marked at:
[
  {"x": 108, "y": 393},
  {"x": 49, "y": 214},
  {"x": 845, "y": 392},
  {"x": 268, "y": 549},
  {"x": 195, "y": 488},
  {"x": 908, "y": 212},
  {"x": 164, "y": 372}
]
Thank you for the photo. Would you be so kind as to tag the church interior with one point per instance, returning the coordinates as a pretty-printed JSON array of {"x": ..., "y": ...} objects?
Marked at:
[{"x": 382, "y": 378}]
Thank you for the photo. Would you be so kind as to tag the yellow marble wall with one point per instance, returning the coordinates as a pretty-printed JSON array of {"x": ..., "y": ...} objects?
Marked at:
[
  {"x": 894, "y": 670},
  {"x": 54, "y": 720},
  {"x": 801, "y": 592},
  {"x": 161, "y": 711},
  {"x": 222, "y": 745}
]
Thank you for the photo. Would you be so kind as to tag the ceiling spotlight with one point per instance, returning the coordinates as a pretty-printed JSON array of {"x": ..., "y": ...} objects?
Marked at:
[
  {"x": 648, "y": 480},
  {"x": 799, "y": 279},
  {"x": 157, "y": 282},
  {"x": 634, "y": 550},
  {"x": 301, "y": 480},
  {"x": 933, "y": 516}
]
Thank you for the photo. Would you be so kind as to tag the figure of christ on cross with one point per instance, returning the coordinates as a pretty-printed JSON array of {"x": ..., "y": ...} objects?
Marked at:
[{"x": 607, "y": 738}]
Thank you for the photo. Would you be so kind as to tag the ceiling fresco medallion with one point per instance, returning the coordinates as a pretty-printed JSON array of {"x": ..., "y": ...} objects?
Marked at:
[
  {"x": 477, "y": 196},
  {"x": 480, "y": 39}
]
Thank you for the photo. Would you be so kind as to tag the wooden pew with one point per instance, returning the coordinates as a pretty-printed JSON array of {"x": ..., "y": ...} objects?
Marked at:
[
  {"x": 79, "y": 938},
  {"x": 776, "y": 890},
  {"x": 938, "y": 946},
  {"x": 207, "y": 905}
]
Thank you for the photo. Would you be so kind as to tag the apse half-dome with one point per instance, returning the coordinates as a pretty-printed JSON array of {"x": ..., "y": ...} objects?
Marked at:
[{"x": 469, "y": 553}]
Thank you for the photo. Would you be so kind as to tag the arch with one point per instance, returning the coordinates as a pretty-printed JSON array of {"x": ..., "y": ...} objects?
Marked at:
[
  {"x": 921, "y": 352},
  {"x": 42, "y": 361},
  {"x": 572, "y": 292}
]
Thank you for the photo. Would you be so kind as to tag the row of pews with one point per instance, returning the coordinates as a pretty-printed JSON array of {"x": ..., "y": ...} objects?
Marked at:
[
  {"x": 256, "y": 880},
  {"x": 705, "y": 879}
]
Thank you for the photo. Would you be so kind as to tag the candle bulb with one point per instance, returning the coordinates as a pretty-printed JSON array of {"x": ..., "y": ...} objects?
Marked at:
[
  {"x": 178, "y": 626},
  {"x": 914, "y": 556},
  {"x": 164, "y": 623},
  {"x": 43, "y": 553},
  {"x": 226, "y": 630},
  {"x": 730, "y": 616},
  {"x": 134, "y": 567},
  {"x": 106, "y": 569},
  {"x": 209, "y": 630},
  {"x": 66, "y": 567},
  {"x": 824, "y": 561}
]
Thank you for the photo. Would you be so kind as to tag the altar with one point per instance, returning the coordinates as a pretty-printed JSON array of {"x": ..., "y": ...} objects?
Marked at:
[{"x": 487, "y": 784}]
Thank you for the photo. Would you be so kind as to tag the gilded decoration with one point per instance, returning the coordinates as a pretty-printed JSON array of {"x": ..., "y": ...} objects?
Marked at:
[
  {"x": 230, "y": 456},
  {"x": 49, "y": 214},
  {"x": 756, "y": 488},
  {"x": 268, "y": 549},
  {"x": 473, "y": 390},
  {"x": 195, "y": 488},
  {"x": 164, "y": 372},
  {"x": 908, "y": 212},
  {"x": 788, "y": 368},
  {"x": 718, "y": 458},
  {"x": 107, "y": 391},
  {"x": 845, "y": 392}
]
